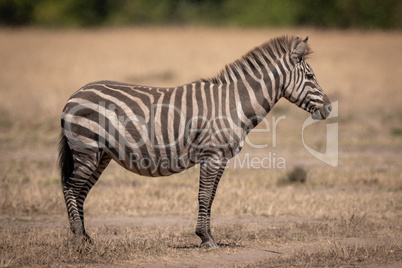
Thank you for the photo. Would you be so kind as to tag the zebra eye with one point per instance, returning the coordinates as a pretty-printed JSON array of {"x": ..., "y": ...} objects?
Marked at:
[{"x": 310, "y": 76}]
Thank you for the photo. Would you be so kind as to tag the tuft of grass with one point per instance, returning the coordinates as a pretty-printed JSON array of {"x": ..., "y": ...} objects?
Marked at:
[
  {"x": 295, "y": 176},
  {"x": 397, "y": 132}
]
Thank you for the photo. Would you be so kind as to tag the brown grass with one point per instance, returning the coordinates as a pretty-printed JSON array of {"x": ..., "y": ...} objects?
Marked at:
[{"x": 344, "y": 216}]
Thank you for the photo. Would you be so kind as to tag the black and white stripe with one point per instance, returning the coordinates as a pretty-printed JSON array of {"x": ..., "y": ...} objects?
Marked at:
[{"x": 161, "y": 131}]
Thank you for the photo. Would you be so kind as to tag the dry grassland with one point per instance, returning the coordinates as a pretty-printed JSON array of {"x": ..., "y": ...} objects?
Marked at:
[{"x": 349, "y": 215}]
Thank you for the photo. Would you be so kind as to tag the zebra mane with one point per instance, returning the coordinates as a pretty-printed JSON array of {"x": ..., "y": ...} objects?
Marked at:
[{"x": 267, "y": 52}]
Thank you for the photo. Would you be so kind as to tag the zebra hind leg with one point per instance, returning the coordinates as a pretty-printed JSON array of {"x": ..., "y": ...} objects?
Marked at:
[
  {"x": 103, "y": 163},
  {"x": 84, "y": 166}
]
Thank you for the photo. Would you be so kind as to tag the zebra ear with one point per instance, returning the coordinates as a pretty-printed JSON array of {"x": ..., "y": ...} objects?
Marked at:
[{"x": 300, "y": 50}]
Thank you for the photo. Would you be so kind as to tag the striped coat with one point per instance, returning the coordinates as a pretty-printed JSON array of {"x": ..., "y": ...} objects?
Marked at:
[{"x": 161, "y": 131}]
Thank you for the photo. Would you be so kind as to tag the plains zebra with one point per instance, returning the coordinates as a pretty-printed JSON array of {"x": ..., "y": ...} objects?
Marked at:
[{"x": 161, "y": 131}]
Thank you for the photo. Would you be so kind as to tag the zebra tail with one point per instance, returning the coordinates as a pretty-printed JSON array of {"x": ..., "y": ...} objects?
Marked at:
[{"x": 66, "y": 163}]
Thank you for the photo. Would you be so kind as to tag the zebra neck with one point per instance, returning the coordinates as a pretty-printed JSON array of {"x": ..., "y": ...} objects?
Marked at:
[{"x": 257, "y": 97}]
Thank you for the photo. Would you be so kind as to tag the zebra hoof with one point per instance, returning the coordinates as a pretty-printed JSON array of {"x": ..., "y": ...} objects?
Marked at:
[
  {"x": 80, "y": 243},
  {"x": 83, "y": 247},
  {"x": 87, "y": 239},
  {"x": 209, "y": 244}
]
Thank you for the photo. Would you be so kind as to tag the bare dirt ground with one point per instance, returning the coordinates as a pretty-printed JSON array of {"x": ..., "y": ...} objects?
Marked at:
[{"x": 344, "y": 216}]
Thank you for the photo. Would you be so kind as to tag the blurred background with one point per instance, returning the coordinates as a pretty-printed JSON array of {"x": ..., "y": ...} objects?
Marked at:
[{"x": 366, "y": 14}]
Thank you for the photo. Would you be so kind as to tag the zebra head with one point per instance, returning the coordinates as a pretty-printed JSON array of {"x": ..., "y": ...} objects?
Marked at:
[{"x": 303, "y": 88}]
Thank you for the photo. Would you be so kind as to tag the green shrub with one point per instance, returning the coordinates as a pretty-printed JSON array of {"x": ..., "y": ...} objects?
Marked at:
[{"x": 257, "y": 13}]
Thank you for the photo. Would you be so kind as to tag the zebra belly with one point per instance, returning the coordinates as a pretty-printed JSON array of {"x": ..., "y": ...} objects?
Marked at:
[{"x": 152, "y": 164}]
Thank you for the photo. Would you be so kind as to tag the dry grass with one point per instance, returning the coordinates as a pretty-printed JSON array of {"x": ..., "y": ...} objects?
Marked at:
[
  {"x": 340, "y": 256},
  {"x": 344, "y": 216},
  {"x": 297, "y": 242}
]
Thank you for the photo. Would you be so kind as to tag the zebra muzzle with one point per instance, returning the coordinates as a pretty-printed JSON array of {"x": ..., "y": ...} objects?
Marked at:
[{"x": 324, "y": 111}]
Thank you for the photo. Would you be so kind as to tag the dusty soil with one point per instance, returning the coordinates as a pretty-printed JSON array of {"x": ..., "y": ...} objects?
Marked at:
[{"x": 244, "y": 241}]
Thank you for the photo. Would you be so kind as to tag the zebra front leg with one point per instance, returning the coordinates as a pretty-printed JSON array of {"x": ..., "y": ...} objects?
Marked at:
[
  {"x": 209, "y": 179},
  {"x": 216, "y": 183}
]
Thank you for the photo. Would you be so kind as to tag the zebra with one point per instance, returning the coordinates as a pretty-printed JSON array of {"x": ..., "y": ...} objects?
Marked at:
[{"x": 162, "y": 131}]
